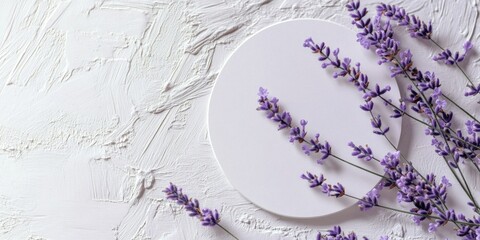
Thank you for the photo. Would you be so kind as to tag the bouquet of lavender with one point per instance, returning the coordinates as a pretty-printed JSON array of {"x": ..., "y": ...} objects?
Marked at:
[{"x": 456, "y": 144}]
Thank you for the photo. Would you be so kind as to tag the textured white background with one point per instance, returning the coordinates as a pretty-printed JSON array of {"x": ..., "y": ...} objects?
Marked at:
[{"x": 103, "y": 103}]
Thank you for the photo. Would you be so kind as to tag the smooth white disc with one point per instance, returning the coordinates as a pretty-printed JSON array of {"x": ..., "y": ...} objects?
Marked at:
[{"x": 258, "y": 160}]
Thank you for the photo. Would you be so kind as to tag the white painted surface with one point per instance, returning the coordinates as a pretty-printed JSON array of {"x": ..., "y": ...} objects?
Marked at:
[
  {"x": 105, "y": 102},
  {"x": 260, "y": 162}
]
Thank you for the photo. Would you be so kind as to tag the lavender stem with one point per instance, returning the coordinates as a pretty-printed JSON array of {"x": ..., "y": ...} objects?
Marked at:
[
  {"x": 411, "y": 213},
  {"x": 224, "y": 229},
  {"x": 466, "y": 188}
]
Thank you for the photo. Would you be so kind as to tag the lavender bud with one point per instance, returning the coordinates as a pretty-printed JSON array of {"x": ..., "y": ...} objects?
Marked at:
[{"x": 206, "y": 216}]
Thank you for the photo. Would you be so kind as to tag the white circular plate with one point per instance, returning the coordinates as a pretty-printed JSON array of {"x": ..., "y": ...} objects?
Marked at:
[{"x": 258, "y": 160}]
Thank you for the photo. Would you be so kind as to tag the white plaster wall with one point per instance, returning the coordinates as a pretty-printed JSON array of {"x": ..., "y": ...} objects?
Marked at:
[{"x": 103, "y": 103}]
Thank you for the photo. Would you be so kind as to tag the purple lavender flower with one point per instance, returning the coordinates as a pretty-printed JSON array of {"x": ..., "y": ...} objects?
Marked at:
[
  {"x": 206, "y": 216},
  {"x": 391, "y": 161},
  {"x": 472, "y": 127},
  {"x": 373, "y": 32},
  {"x": 404, "y": 65},
  {"x": 336, "y": 233},
  {"x": 422, "y": 209},
  {"x": 356, "y": 77},
  {"x": 472, "y": 90},
  {"x": 416, "y": 27},
  {"x": 363, "y": 153},
  {"x": 314, "y": 146},
  {"x": 449, "y": 58},
  {"x": 377, "y": 124},
  {"x": 368, "y": 106},
  {"x": 425, "y": 98},
  {"x": 210, "y": 218},
  {"x": 297, "y": 134},
  {"x": 444, "y": 219},
  {"x": 429, "y": 81},
  {"x": 370, "y": 199},
  {"x": 400, "y": 111},
  {"x": 471, "y": 230},
  {"x": 313, "y": 179},
  {"x": 404, "y": 177},
  {"x": 387, "y": 50},
  {"x": 336, "y": 190},
  {"x": 337, "y": 230}
]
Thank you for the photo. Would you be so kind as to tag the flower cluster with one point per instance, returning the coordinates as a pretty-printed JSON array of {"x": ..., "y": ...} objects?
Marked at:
[
  {"x": 206, "y": 216},
  {"x": 423, "y": 194},
  {"x": 336, "y": 190},
  {"x": 370, "y": 200},
  {"x": 424, "y": 93},
  {"x": 426, "y": 195},
  {"x": 425, "y": 97},
  {"x": 419, "y": 29},
  {"x": 336, "y": 233},
  {"x": 449, "y": 58},
  {"x": 416, "y": 27}
]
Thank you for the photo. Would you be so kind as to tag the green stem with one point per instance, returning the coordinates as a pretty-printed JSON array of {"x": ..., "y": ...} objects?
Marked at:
[
  {"x": 411, "y": 213},
  {"x": 466, "y": 188},
  {"x": 354, "y": 165},
  {"x": 224, "y": 229},
  {"x": 466, "y": 76},
  {"x": 444, "y": 206}
]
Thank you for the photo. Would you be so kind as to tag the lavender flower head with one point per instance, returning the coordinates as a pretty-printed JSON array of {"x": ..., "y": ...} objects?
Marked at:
[
  {"x": 206, "y": 216},
  {"x": 336, "y": 233},
  {"x": 363, "y": 153},
  {"x": 297, "y": 134},
  {"x": 416, "y": 27},
  {"x": 313, "y": 179},
  {"x": 449, "y": 58},
  {"x": 336, "y": 190},
  {"x": 371, "y": 198}
]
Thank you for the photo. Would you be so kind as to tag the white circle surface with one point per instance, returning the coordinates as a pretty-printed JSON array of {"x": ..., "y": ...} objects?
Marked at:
[{"x": 258, "y": 160}]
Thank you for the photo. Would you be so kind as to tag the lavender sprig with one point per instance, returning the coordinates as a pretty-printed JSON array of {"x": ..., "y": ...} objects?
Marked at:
[
  {"x": 415, "y": 26},
  {"x": 422, "y": 193},
  {"x": 206, "y": 216},
  {"x": 386, "y": 54},
  {"x": 421, "y": 207},
  {"x": 370, "y": 200},
  {"x": 449, "y": 58},
  {"x": 423, "y": 104},
  {"x": 363, "y": 153},
  {"x": 360, "y": 80},
  {"x": 297, "y": 134},
  {"x": 411, "y": 190},
  {"x": 309, "y": 145},
  {"x": 356, "y": 77},
  {"x": 419, "y": 29},
  {"x": 336, "y": 190},
  {"x": 313, "y": 179},
  {"x": 336, "y": 233}
]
